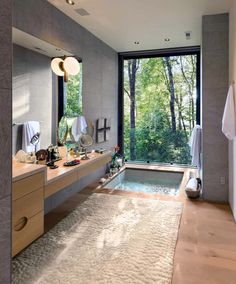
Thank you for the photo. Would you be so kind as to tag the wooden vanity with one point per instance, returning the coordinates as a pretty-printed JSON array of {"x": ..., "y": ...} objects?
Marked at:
[
  {"x": 27, "y": 204},
  {"x": 32, "y": 184}
]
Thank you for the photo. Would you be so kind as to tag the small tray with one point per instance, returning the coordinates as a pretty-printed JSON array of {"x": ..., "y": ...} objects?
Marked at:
[{"x": 71, "y": 163}]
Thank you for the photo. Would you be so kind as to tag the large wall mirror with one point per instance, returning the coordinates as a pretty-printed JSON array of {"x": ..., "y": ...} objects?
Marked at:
[{"x": 38, "y": 94}]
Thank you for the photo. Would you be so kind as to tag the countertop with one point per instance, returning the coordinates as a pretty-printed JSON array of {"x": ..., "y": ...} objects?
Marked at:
[
  {"x": 53, "y": 175},
  {"x": 23, "y": 170}
]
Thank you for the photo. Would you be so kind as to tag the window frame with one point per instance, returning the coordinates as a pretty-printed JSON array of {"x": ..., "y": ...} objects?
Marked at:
[{"x": 122, "y": 56}]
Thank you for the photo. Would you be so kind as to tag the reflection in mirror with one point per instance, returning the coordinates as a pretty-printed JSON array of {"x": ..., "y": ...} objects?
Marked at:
[
  {"x": 35, "y": 89},
  {"x": 86, "y": 141},
  {"x": 70, "y": 94},
  {"x": 73, "y": 95},
  {"x": 62, "y": 130}
]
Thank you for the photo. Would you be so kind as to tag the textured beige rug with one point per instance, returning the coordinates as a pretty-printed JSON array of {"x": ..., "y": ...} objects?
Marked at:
[{"x": 107, "y": 239}]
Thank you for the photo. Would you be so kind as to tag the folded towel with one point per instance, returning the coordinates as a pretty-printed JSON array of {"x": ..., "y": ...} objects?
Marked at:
[
  {"x": 192, "y": 184},
  {"x": 195, "y": 145},
  {"x": 30, "y": 128},
  {"x": 229, "y": 116},
  {"x": 79, "y": 127}
]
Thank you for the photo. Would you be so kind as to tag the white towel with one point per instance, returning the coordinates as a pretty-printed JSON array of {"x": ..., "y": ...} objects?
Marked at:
[
  {"x": 30, "y": 128},
  {"x": 79, "y": 127},
  {"x": 229, "y": 116},
  {"x": 192, "y": 184},
  {"x": 195, "y": 145}
]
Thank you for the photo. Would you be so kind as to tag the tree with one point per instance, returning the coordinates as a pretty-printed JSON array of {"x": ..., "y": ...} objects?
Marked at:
[
  {"x": 133, "y": 65},
  {"x": 170, "y": 81},
  {"x": 159, "y": 118},
  {"x": 73, "y": 91},
  {"x": 189, "y": 79}
]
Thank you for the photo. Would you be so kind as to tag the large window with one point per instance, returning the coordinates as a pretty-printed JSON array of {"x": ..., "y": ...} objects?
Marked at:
[
  {"x": 70, "y": 95},
  {"x": 160, "y": 106}
]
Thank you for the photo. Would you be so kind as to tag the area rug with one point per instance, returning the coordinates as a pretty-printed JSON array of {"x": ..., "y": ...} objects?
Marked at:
[{"x": 106, "y": 239}]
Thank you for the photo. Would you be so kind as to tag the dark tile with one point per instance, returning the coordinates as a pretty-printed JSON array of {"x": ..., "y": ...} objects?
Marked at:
[
  {"x": 215, "y": 66},
  {"x": 5, "y": 142},
  {"x": 33, "y": 17},
  {"x": 5, "y": 240},
  {"x": 6, "y": 44},
  {"x": 216, "y": 41},
  {"x": 219, "y": 22}
]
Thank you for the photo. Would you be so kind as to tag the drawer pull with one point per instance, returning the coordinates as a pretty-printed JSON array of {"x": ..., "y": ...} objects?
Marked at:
[{"x": 21, "y": 223}]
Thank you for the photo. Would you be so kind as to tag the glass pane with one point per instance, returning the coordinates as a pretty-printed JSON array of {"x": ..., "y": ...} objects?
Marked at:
[
  {"x": 159, "y": 108},
  {"x": 73, "y": 95}
]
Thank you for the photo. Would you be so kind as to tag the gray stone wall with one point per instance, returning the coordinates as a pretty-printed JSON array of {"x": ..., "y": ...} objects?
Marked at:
[
  {"x": 100, "y": 62},
  {"x": 5, "y": 139},
  {"x": 215, "y": 74},
  {"x": 32, "y": 94}
]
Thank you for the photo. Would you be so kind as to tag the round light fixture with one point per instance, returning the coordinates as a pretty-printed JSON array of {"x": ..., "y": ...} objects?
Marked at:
[
  {"x": 70, "y": 2},
  {"x": 56, "y": 65},
  {"x": 71, "y": 66}
]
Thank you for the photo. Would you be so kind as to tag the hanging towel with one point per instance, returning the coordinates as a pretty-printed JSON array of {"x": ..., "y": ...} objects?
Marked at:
[
  {"x": 192, "y": 184},
  {"x": 229, "y": 116},
  {"x": 79, "y": 127},
  {"x": 30, "y": 128},
  {"x": 195, "y": 145}
]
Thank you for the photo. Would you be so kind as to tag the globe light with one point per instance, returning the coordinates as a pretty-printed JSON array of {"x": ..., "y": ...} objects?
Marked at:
[
  {"x": 57, "y": 66},
  {"x": 71, "y": 65}
]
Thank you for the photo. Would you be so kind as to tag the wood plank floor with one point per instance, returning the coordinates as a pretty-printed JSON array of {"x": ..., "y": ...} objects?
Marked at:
[{"x": 206, "y": 247}]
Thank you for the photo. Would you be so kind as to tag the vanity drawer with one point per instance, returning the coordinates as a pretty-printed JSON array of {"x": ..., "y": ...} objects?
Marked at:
[
  {"x": 27, "y": 206},
  {"x": 30, "y": 230},
  {"x": 27, "y": 185},
  {"x": 60, "y": 183}
]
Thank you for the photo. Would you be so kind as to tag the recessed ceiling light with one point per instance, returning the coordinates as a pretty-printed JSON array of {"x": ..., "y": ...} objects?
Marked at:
[
  {"x": 136, "y": 42},
  {"x": 70, "y": 2},
  {"x": 167, "y": 39}
]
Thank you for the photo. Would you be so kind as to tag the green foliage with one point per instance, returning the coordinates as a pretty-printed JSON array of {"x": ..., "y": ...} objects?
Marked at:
[
  {"x": 155, "y": 140},
  {"x": 73, "y": 91}
]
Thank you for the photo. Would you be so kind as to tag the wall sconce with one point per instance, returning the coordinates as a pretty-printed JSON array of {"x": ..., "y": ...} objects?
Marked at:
[{"x": 64, "y": 67}]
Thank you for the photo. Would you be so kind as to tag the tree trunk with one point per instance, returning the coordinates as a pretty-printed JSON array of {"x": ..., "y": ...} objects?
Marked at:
[
  {"x": 132, "y": 70},
  {"x": 190, "y": 84},
  {"x": 172, "y": 92}
]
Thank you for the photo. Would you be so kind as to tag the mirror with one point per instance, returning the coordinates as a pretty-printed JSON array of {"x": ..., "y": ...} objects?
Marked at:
[
  {"x": 35, "y": 90},
  {"x": 71, "y": 129}
]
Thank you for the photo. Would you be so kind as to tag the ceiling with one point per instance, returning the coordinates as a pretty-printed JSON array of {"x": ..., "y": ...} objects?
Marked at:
[{"x": 120, "y": 23}]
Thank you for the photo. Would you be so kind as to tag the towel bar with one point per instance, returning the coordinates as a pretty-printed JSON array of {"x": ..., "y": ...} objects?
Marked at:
[{"x": 20, "y": 123}]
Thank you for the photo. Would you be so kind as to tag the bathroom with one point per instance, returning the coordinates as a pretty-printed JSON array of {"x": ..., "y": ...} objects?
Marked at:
[{"x": 30, "y": 91}]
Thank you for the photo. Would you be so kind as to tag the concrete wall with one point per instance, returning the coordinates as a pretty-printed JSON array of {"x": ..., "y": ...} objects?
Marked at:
[
  {"x": 5, "y": 139},
  {"x": 232, "y": 76},
  {"x": 100, "y": 62},
  {"x": 32, "y": 94},
  {"x": 215, "y": 66}
]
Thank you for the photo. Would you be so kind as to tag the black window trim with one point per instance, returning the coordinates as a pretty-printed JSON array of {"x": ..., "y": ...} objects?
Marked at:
[{"x": 152, "y": 54}]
